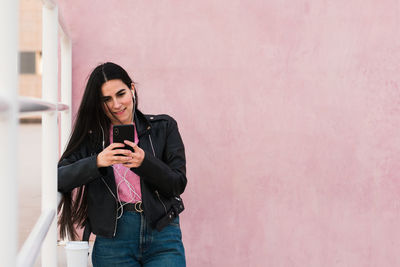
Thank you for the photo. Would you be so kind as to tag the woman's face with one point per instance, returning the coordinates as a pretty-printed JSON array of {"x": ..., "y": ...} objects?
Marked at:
[{"x": 118, "y": 102}]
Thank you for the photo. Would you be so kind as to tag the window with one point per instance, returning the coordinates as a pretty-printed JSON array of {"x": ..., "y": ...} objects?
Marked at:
[{"x": 29, "y": 62}]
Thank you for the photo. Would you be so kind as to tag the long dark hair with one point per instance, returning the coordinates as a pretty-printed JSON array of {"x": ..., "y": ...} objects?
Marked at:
[{"x": 91, "y": 125}]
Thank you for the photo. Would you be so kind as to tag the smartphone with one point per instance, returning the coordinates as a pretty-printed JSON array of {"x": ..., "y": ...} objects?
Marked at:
[{"x": 124, "y": 132}]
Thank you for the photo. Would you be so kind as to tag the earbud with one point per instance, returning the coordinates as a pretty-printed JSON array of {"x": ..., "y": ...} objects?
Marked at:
[{"x": 133, "y": 95}]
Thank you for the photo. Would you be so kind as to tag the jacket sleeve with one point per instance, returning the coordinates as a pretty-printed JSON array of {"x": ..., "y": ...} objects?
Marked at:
[
  {"x": 77, "y": 170},
  {"x": 169, "y": 175}
]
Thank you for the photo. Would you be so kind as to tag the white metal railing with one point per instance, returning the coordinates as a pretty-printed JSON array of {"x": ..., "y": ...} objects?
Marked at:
[
  {"x": 4, "y": 106},
  {"x": 29, "y": 252},
  {"x": 8, "y": 128},
  {"x": 66, "y": 83},
  {"x": 44, "y": 234},
  {"x": 29, "y": 106},
  {"x": 49, "y": 128}
]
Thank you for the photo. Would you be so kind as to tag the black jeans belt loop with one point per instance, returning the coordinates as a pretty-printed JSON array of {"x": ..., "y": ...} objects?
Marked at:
[{"x": 136, "y": 207}]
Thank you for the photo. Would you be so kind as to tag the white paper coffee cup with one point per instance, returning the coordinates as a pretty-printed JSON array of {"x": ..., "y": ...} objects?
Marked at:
[{"x": 77, "y": 253}]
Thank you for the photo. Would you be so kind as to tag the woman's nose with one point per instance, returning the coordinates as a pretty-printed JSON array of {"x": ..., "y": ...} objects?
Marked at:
[{"x": 116, "y": 103}]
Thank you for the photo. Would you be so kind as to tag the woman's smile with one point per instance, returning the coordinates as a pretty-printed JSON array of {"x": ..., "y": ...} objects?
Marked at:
[{"x": 118, "y": 113}]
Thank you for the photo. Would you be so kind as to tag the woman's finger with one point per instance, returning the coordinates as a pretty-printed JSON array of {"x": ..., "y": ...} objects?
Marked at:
[
  {"x": 121, "y": 160},
  {"x": 131, "y": 144},
  {"x": 124, "y": 152},
  {"x": 115, "y": 145}
]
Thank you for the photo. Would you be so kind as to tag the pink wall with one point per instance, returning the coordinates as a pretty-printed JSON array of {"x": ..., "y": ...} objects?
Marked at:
[{"x": 290, "y": 112}]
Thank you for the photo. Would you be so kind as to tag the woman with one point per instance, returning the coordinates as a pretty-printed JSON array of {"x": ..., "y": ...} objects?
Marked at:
[{"x": 129, "y": 200}]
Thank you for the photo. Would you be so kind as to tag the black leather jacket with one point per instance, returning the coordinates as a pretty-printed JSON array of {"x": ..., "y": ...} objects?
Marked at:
[{"x": 162, "y": 176}]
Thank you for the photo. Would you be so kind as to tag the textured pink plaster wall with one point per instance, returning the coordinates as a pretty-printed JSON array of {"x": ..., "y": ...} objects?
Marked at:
[{"x": 290, "y": 112}]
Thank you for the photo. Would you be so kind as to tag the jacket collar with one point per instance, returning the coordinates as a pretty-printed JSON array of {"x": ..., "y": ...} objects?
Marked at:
[{"x": 141, "y": 122}]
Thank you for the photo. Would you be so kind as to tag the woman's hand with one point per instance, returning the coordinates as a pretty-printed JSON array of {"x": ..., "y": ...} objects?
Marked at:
[
  {"x": 108, "y": 156},
  {"x": 136, "y": 157}
]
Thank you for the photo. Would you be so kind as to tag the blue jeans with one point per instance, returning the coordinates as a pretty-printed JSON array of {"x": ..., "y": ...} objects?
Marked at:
[{"x": 136, "y": 244}]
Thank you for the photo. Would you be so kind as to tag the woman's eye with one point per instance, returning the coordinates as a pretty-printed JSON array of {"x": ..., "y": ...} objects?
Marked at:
[
  {"x": 121, "y": 94},
  {"x": 106, "y": 99}
]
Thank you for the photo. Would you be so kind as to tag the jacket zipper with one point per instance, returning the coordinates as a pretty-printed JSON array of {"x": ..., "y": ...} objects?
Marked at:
[
  {"x": 158, "y": 195},
  {"x": 116, "y": 213},
  {"x": 152, "y": 147},
  {"x": 156, "y": 191}
]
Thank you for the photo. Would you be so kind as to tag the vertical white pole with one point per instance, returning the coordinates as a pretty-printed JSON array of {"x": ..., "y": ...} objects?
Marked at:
[
  {"x": 50, "y": 130},
  {"x": 8, "y": 131},
  {"x": 66, "y": 89}
]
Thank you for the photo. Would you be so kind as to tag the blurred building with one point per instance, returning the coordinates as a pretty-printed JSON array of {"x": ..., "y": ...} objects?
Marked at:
[{"x": 30, "y": 47}]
